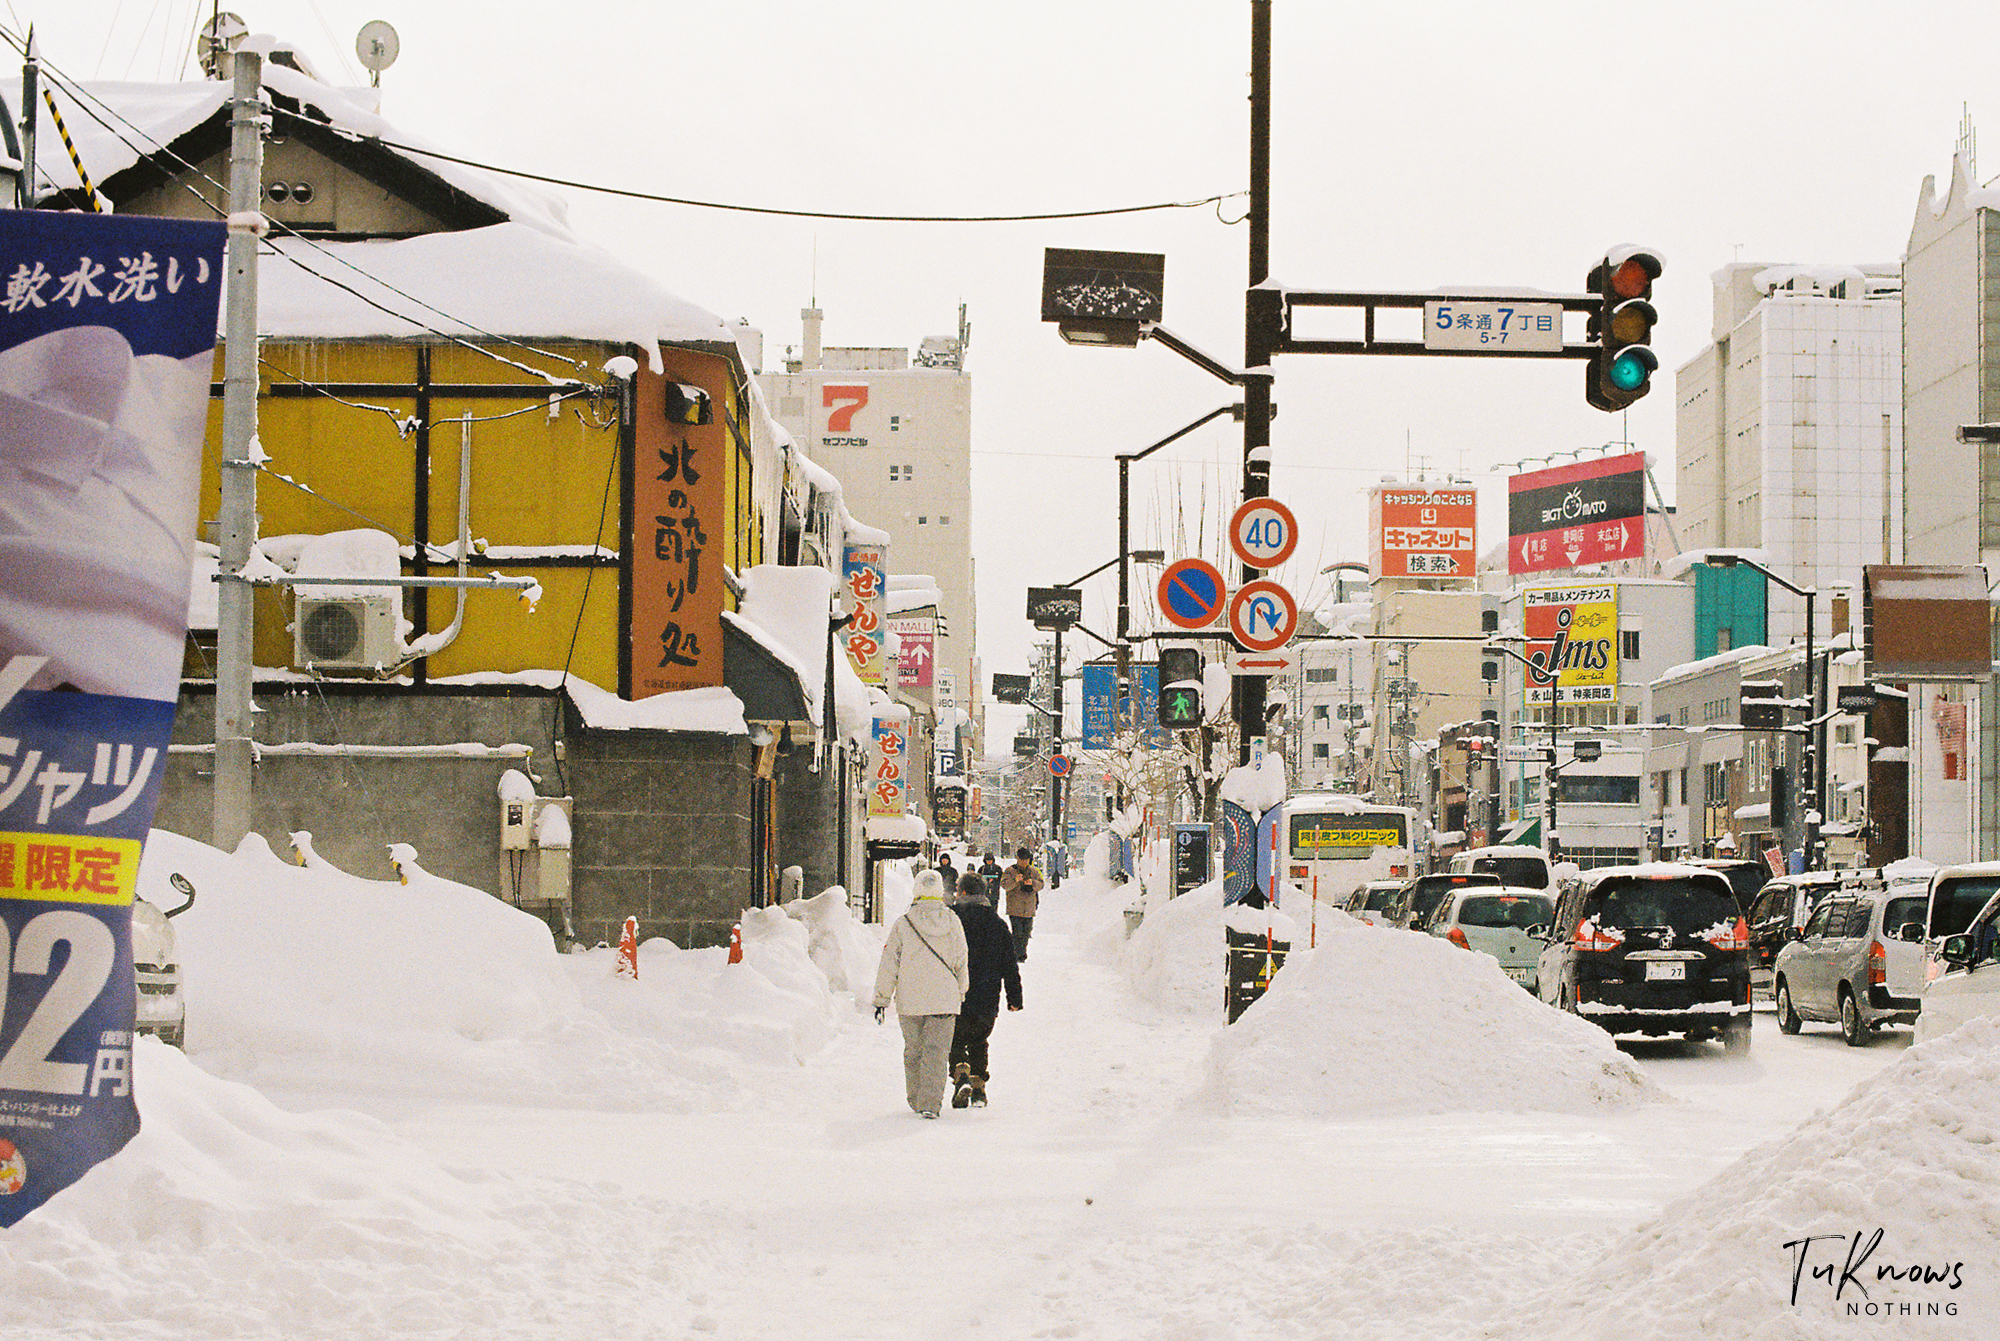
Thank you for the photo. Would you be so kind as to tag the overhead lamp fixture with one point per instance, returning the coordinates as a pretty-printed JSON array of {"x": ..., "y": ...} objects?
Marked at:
[
  {"x": 1109, "y": 332},
  {"x": 1149, "y": 556}
]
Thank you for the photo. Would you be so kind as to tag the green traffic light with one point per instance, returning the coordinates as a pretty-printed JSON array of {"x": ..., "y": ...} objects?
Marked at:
[{"x": 1627, "y": 372}]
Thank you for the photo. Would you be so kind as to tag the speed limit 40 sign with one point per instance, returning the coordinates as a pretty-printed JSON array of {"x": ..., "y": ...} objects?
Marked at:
[{"x": 1263, "y": 532}]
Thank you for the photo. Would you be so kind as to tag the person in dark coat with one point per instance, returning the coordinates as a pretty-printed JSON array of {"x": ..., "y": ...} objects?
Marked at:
[
  {"x": 948, "y": 871},
  {"x": 989, "y": 871},
  {"x": 990, "y": 962}
]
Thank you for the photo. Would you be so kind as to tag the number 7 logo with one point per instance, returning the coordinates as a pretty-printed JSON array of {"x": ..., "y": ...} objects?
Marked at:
[{"x": 848, "y": 399}]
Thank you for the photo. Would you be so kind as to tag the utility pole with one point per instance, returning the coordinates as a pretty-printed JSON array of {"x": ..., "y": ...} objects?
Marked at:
[
  {"x": 31, "y": 92},
  {"x": 1261, "y": 318},
  {"x": 236, "y": 522}
]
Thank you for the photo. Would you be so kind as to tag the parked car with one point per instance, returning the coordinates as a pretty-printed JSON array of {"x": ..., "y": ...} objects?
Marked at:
[
  {"x": 1426, "y": 892},
  {"x": 1745, "y": 876},
  {"x": 1516, "y": 865},
  {"x": 1658, "y": 949},
  {"x": 1506, "y": 923},
  {"x": 1970, "y": 982},
  {"x": 1957, "y": 895},
  {"x": 1858, "y": 963},
  {"x": 1380, "y": 903},
  {"x": 1779, "y": 913}
]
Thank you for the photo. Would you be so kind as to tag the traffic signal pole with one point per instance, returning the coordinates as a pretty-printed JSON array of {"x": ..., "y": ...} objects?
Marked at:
[{"x": 1261, "y": 315}]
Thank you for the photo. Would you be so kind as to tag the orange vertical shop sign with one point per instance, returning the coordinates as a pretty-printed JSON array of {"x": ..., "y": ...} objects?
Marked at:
[{"x": 678, "y": 505}]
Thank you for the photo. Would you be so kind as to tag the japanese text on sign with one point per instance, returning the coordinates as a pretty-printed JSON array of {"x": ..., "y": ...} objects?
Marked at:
[
  {"x": 863, "y": 573},
  {"x": 1475, "y": 327}
]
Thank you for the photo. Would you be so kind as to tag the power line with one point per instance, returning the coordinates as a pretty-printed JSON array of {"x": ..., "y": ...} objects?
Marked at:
[{"x": 766, "y": 209}]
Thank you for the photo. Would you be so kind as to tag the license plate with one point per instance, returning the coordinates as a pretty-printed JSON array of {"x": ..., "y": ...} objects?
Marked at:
[{"x": 1667, "y": 972}]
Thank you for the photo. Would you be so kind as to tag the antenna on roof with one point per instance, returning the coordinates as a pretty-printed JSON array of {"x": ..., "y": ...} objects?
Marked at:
[
  {"x": 217, "y": 40},
  {"x": 378, "y": 46}
]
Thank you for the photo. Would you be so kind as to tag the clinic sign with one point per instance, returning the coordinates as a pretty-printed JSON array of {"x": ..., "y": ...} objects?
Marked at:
[
  {"x": 1422, "y": 532},
  {"x": 107, "y": 342},
  {"x": 1572, "y": 644}
]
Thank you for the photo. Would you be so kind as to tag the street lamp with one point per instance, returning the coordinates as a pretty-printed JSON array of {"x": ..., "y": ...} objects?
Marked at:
[{"x": 1810, "y": 781}]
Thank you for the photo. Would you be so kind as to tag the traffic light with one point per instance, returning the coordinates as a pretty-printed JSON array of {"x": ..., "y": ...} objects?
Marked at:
[
  {"x": 1623, "y": 363},
  {"x": 1180, "y": 688}
]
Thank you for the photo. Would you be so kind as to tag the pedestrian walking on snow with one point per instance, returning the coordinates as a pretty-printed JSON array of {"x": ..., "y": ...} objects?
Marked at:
[
  {"x": 989, "y": 871},
  {"x": 990, "y": 959},
  {"x": 924, "y": 971},
  {"x": 948, "y": 873},
  {"x": 1022, "y": 884}
]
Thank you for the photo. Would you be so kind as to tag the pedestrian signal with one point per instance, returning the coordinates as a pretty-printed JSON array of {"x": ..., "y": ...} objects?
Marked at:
[{"x": 1180, "y": 688}]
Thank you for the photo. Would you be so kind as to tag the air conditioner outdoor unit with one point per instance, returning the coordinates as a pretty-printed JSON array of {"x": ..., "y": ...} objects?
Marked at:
[{"x": 346, "y": 633}]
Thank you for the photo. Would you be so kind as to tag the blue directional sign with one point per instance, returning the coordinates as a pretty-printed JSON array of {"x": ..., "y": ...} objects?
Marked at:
[{"x": 1100, "y": 704}]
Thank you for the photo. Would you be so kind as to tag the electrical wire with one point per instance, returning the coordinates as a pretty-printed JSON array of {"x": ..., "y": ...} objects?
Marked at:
[
  {"x": 82, "y": 98},
  {"x": 631, "y": 194}
]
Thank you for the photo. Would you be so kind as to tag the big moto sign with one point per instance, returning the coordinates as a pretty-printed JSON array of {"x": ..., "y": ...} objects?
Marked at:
[{"x": 1568, "y": 516}]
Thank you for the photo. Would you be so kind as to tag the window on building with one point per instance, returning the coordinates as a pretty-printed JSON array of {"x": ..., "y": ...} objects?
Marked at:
[
  {"x": 1843, "y": 733},
  {"x": 1321, "y": 712},
  {"x": 944, "y": 519},
  {"x": 1322, "y": 751},
  {"x": 1588, "y": 789},
  {"x": 923, "y": 521},
  {"x": 1628, "y": 644}
]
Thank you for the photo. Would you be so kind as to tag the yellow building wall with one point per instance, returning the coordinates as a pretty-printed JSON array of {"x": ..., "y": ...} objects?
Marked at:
[{"x": 538, "y": 479}]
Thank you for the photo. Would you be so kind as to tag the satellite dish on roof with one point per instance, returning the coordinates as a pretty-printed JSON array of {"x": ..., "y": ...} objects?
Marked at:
[
  {"x": 378, "y": 46},
  {"x": 217, "y": 38}
]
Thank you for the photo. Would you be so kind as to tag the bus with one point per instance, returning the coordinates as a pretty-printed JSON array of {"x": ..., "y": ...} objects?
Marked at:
[{"x": 1336, "y": 843}]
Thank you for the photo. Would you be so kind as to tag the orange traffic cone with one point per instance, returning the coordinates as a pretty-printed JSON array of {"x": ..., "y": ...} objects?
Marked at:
[
  {"x": 736, "y": 944},
  {"x": 628, "y": 950}
]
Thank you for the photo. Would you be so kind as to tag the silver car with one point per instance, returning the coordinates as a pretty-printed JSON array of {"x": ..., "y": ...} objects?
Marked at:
[
  {"x": 1504, "y": 922},
  {"x": 1858, "y": 963},
  {"x": 1380, "y": 903}
]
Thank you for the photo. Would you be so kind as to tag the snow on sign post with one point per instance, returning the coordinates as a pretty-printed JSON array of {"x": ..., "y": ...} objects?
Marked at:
[
  {"x": 107, "y": 338},
  {"x": 1263, "y": 532}
]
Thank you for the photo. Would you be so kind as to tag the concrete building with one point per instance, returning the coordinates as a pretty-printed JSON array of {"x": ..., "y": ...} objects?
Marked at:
[
  {"x": 1951, "y": 495},
  {"x": 897, "y": 431},
  {"x": 1789, "y": 429}
]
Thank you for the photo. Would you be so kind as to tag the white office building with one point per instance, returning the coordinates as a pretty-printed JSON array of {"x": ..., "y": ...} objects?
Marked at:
[{"x": 1789, "y": 433}]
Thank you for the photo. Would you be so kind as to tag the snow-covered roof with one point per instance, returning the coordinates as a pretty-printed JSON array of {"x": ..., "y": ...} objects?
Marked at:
[
  {"x": 148, "y": 117},
  {"x": 505, "y": 279}
]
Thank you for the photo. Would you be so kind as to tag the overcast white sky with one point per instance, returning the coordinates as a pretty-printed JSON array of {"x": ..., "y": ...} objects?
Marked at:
[{"x": 1417, "y": 146}]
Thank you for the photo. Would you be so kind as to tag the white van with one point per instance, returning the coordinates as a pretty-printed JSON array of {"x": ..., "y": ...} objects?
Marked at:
[
  {"x": 1958, "y": 894},
  {"x": 1516, "y": 865}
]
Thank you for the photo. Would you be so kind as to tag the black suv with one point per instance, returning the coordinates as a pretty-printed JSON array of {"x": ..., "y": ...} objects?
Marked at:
[
  {"x": 1652, "y": 950},
  {"x": 1423, "y": 894}
]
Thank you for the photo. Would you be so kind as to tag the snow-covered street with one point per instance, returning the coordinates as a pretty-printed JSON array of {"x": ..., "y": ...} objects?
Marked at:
[{"x": 708, "y": 1153}]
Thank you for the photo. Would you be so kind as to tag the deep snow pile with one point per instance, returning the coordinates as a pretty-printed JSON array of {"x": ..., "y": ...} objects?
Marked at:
[
  {"x": 1379, "y": 1022},
  {"x": 1912, "y": 1152},
  {"x": 1174, "y": 958},
  {"x": 309, "y": 980},
  {"x": 329, "y": 1224}
]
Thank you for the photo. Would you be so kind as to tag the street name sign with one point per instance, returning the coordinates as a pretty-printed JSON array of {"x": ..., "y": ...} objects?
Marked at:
[{"x": 1471, "y": 326}]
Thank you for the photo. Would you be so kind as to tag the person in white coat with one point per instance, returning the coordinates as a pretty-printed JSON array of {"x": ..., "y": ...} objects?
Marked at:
[{"x": 926, "y": 971}]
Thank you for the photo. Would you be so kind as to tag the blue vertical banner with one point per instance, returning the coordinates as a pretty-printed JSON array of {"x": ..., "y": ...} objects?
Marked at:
[{"x": 107, "y": 347}]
